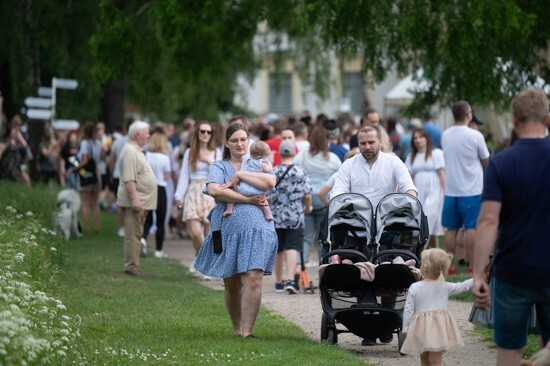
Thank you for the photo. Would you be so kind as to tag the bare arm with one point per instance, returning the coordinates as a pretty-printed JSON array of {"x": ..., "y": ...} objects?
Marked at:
[
  {"x": 267, "y": 168},
  {"x": 307, "y": 202},
  {"x": 441, "y": 174},
  {"x": 486, "y": 236},
  {"x": 484, "y": 163},
  {"x": 261, "y": 181},
  {"x": 323, "y": 193},
  {"x": 412, "y": 192},
  {"x": 228, "y": 195}
]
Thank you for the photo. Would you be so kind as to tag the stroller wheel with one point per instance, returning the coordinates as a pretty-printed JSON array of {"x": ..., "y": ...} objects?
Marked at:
[
  {"x": 332, "y": 336},
  {"x": 328, "y": 331}
]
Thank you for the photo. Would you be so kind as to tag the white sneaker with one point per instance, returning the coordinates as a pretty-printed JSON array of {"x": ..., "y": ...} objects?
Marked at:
[
  {"x": 192, "y": 268},
  {"x": 121, "y": 232},
  {"x": 143, "y": 246},
  {"x": 160, "y": 254},
  {"x": 206, "y": 278}
]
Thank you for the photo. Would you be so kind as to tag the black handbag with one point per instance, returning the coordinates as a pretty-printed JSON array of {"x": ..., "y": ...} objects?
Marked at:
[{"x": 88, "y": 174}]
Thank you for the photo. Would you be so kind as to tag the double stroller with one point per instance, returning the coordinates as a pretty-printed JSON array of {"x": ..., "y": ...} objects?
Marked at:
[{"x": 363, "y": 286}]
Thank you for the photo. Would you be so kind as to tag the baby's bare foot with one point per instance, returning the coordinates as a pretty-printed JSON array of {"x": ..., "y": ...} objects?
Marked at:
[{"x": 227, "y": 213}]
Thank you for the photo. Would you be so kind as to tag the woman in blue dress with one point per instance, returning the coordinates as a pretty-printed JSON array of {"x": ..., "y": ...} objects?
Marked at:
[{"x": 240, "y": 248}]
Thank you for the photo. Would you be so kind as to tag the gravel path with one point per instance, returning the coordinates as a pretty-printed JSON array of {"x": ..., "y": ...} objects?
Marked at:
[{"x": 305, "y": 311}]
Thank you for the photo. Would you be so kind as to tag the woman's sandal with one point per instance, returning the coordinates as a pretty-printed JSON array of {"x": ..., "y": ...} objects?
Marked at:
[{"x": 251, "y": 336}]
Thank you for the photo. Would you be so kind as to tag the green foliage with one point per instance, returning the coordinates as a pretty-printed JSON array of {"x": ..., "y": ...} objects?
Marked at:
[
  {"x": 45, "y": 39},
  {"x": 183, "y": 57},
  {"x": 35, "y": 326},
  {"x": 460, "y": 45}
]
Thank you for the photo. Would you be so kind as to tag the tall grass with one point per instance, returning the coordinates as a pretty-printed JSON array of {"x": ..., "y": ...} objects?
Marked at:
[{"x": 35, "y": 327}]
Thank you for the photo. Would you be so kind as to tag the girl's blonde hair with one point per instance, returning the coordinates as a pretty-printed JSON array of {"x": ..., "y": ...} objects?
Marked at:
[
  {"x": 158, "y": 143},
  {"x": 435, "y": 263}
]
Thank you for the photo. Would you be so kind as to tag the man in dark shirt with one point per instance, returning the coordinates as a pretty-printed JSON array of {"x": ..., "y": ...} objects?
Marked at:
[{"x": 515, "y": 213}]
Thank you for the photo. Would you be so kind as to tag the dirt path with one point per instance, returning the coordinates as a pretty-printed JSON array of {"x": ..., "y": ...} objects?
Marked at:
[{"x": 293, "y": 308}]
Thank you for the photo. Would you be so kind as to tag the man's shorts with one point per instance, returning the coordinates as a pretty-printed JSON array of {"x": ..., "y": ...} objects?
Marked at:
[
  {"x": 512, "y": 306},
  {"x": 290, "y": 239},
  {"x": 461, "y": 212}
]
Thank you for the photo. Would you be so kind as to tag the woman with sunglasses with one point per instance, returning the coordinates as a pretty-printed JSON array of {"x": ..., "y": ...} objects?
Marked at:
[{"x": 189, "y": 194}]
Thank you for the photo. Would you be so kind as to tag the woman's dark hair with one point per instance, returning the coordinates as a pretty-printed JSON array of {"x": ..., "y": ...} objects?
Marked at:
[
  {"x": 318, "y": 141},
  {"x": 228, "y": 133},
  {"x": 88, "y": 131},
  {"x": 429, "y": 144}
]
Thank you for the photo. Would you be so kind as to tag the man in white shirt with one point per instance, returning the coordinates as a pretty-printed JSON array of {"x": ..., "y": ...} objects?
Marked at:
[
  {"x": 374, "y": 174},
  {"x": 466, "y": 156}
]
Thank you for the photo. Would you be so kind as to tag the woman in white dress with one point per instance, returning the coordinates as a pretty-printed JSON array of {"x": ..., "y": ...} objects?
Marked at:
[
  {"x": 196, "y": 163},
  {"x": 427, "y": 168}
]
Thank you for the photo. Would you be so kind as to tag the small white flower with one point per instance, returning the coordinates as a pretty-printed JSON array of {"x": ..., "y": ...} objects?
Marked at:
[{"x": 53, "y": 249}]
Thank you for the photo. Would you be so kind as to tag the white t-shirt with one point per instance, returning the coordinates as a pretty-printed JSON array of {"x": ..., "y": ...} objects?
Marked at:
[
  {"x": 318, "y": 167},
  {"x": 387, "y": 175},
  {"x": 302, "y": 145},
  {"x": 463, "y": 149},
  {"x": 160, "y": 163}
]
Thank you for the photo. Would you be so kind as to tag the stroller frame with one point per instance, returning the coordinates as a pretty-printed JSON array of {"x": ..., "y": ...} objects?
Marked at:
[{"x": 368, "y": 309}]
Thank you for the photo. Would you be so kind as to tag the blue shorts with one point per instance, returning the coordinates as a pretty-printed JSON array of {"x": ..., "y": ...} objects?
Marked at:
[
  {"x": 512, "y": 306},
  {"x": 460, "y": 212}
]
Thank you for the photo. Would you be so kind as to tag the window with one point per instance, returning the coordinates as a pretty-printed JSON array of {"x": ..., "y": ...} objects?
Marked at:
[
  {"x": 353, "y": 91},
  {"x": 280, "y": 93}
]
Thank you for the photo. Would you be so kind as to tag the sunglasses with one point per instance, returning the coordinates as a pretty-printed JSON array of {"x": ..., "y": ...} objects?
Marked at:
[{"x": 205, "y": 132}]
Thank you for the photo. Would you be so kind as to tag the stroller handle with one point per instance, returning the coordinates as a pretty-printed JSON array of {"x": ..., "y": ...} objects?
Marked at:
[
  {"x": 400, "y": 252},
  {"x": 344, "y": 251}
]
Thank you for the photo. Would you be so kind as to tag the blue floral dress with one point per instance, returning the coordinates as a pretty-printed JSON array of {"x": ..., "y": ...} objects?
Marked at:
[{"x": 249, "y": 241}]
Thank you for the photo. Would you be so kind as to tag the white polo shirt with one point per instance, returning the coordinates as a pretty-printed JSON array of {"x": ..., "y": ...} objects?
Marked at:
[{"x": 387, "y": 175}]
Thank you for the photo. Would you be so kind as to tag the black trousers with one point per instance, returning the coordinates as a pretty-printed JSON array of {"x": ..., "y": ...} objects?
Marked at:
[{"x": 161, "y": 216}]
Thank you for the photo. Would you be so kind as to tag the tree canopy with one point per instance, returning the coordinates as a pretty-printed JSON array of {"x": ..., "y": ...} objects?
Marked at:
[{"x": 175, "y": 58}]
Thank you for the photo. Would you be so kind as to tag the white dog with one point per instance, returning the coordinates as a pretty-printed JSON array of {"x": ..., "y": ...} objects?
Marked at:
[{"x": 68, "y": 203}]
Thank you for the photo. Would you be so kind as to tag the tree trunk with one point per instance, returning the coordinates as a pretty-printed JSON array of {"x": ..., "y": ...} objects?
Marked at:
[{"x": 112, "y": 105}]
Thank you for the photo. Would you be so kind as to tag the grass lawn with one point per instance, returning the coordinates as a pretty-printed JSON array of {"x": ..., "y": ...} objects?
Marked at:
[{"x": 165, "y": 319}]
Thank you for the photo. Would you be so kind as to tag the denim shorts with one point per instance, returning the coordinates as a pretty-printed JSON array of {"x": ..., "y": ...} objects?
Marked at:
[
  {"x": 290, "y": 239},
  {"x": 512, "y": 306},
  {"x": 460, "y": 212}
]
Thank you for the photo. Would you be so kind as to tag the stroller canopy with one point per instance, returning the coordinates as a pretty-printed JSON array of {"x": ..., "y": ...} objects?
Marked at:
[
  {"x": 400, "y": 211},
  {"x": 352, "y": 209}
]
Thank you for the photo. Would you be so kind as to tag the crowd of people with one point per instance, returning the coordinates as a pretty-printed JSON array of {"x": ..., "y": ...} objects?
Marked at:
[{"x": 251, "y": 194}]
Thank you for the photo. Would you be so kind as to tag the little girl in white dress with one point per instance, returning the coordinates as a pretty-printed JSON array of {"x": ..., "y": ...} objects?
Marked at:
[{"x": 428, "y": 326}]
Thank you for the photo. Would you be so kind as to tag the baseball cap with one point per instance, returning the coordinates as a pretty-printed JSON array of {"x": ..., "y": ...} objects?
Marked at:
[{"x": 287, "y": 148}]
